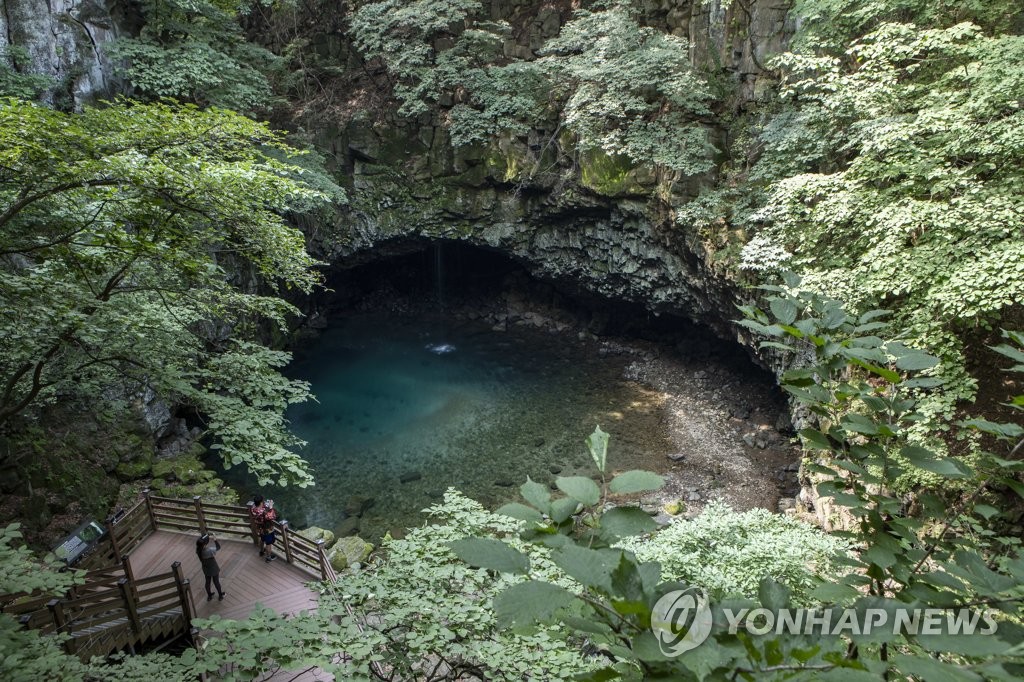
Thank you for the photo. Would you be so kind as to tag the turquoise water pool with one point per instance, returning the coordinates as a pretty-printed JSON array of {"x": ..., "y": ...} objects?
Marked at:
[{"x": 408, "y": 406}]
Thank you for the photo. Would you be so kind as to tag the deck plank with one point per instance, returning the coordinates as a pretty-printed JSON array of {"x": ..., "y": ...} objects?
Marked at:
[{"x": 246, "y": 578}]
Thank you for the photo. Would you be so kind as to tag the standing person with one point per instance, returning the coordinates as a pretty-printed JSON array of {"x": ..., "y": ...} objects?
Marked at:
[
  {"x": 269, "y": 533},
  {"x": 207, "y": 557},
  {"x": 256, "y": 512}
]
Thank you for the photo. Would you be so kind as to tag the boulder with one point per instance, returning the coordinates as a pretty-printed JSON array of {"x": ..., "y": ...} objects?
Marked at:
[
  {"x": 674, "y": 507},
  {"x": 357, "y": 504},
  {"x": 315, "y": 533},
  {"x": 349, "y": 526},
  {"x": 348, "y": 551}
]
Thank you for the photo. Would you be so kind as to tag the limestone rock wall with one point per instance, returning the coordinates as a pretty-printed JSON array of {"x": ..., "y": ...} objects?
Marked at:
[{"x": 62, "y": 39}]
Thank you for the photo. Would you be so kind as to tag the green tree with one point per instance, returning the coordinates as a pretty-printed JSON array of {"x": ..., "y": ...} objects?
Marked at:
[
  {"x": 195, "y": 50},
  {"x": 141, "y": 246},
  {"x": 621, "y": 88},
  {"x": 891, "y": 169},
  {"x": 630, "y": 90}
]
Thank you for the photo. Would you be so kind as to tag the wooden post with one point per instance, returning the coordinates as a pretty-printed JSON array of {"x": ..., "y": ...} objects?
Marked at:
[
  {"x": 287, "y": 542},
  {"x": 149, "y": 508},
  {"x": 60, "y": 623},
  {"x": 57, "y": 613},
  {"x": 127, "y": 566},
  {"x": 184, "y": 590},
  {"x": 111, "y": 533},
  {"x": 128, "y": 597},
  {"x": 323, "y": 558},
  {"x": 198, "y": 500}
]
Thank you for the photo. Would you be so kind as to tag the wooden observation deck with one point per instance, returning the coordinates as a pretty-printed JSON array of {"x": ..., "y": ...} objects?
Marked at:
[{"x": 145, "y": 583}]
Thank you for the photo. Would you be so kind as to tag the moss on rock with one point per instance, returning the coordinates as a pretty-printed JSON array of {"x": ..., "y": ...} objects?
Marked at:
[
  {"x": 315, "y": 533},
  {"x": 348, "y": 551},
  {"x": 612, "y": 175}
]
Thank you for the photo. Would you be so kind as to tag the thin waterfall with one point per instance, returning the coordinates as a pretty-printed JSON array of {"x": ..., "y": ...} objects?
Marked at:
[{"x": 439, "y": 275}]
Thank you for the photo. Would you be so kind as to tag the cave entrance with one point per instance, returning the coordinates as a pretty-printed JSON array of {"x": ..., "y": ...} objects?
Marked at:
[{"x": 442, "y": 365}]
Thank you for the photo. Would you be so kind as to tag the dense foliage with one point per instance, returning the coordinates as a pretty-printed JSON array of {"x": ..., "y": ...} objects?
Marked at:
[
  {"x": 134, "y": 240},
  {"x": 195, "y": 50},
  {"x": 891, "y": 170},
  {"x": 728, "y": 553},
  {"x": 620, "y": 87}
]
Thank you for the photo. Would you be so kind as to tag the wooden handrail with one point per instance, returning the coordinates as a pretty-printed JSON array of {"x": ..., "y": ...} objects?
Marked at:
[{"x": 155, "y": 512}]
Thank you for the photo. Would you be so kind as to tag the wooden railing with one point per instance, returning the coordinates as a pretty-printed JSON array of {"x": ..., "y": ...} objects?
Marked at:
[
  {"x": 31, "y": 609},
  {"x": 113, "y": 609},
  {"x": 110, "y": 611},
  {"x": 154, "y": 513}
]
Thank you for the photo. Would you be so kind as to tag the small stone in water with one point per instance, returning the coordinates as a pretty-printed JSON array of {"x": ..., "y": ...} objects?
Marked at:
[
  {"x": 555, "y": 469},
  {"x": 410, "y": 476}
]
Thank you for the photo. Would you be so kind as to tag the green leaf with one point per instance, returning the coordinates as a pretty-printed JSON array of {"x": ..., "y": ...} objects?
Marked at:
[
  {"x": 815, "y": 440},
  {"x": 834, "y": 592},
  {"x": 872, "y": 315},
  {"x": 530, "y": 602},
  {"x": 785, "y": 310},
  {"x": 563, "y": 508},
  {"x": 932, "y": 670},
  {"x": 591, "y": 568},
  {"x": 623, "y": 522},
  {"x": 925, "y": 459},
  {"x": 635, "y": 481},
  {"x": 492, "y": 554},
  {"x": 536, "y": 494},
  {"x": 597, "y": 443},
  {"x": 521, "y": 512},
  {"x": 986, "y": 511},
  {"x": 858, "y": 423},
  {"x": 773, "y": 595},
  {"x": 601, "y": 674},
  {"x": 646, "y": 648},
  {"x": 834, "y": 317},
  {"x": 579, "y": 488}
]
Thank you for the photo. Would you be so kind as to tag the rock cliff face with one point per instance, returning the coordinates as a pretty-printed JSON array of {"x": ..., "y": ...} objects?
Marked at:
[
  {"x": 61, "y": 39},
  {"x": 590, "y": 223}
]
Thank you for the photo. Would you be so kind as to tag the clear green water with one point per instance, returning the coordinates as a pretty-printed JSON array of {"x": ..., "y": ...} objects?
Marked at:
[{"x": 440, "y": 404}]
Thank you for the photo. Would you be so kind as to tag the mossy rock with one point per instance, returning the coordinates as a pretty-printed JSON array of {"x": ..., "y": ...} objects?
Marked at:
[
  {"x": 612, "y": 175},
  {"x": 675, "y": 507},
  {"x": 185, "y": 468},
  {"x": 315, "y": 533},
  {"x": 132, "y": 471},
  {"x": 507, "y": 160},
  {"x": 348, "y": 551}
]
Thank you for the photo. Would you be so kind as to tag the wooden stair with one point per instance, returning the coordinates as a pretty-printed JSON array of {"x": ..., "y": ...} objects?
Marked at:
[{"x": 99, "y": 619}]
